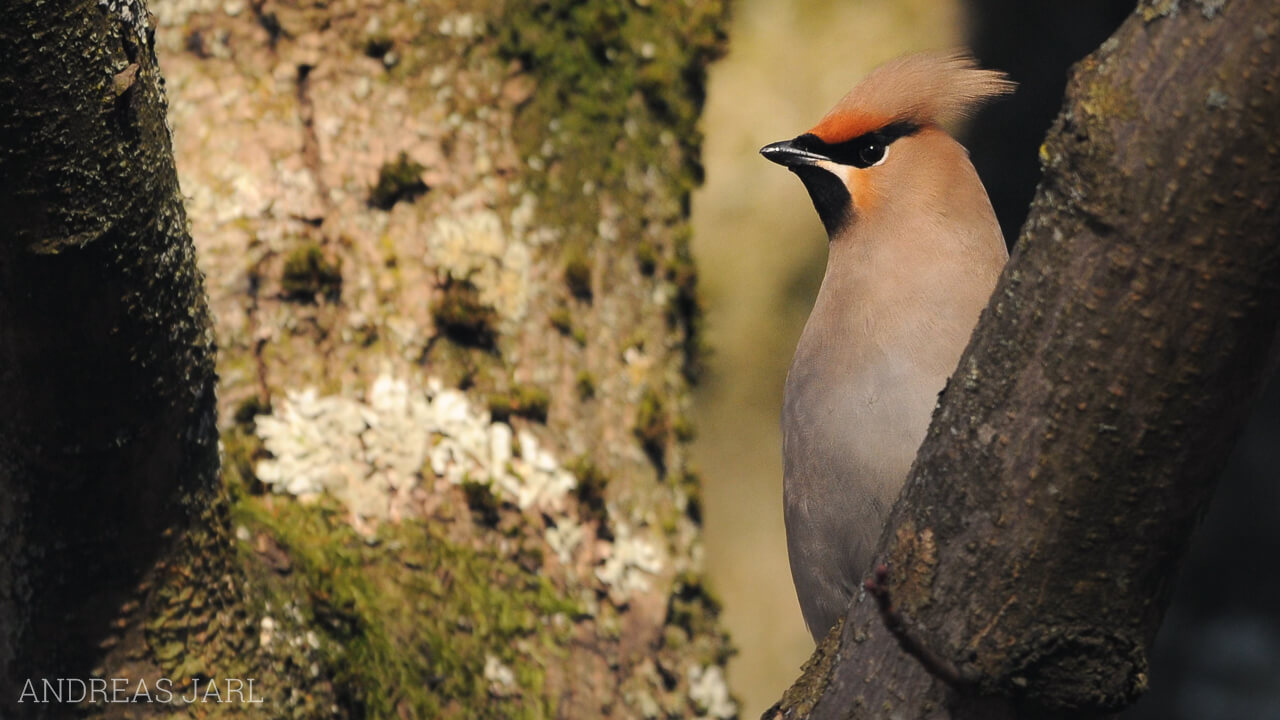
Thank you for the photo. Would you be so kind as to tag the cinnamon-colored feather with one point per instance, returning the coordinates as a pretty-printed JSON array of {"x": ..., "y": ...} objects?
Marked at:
[{"x": 925, "y": 88}]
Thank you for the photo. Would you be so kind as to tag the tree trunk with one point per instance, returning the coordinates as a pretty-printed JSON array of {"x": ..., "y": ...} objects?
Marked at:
[
  {"x": 449, "y": 271},
  {"x": 1031, "y": 554},
  {"x": 108, "y": 460}
]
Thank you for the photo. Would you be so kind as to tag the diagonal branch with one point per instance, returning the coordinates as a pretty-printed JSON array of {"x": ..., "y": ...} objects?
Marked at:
[{"x": 909, "y": 640}]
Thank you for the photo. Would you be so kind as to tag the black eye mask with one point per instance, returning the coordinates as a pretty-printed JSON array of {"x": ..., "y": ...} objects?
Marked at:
[
  {"x": 830, "y": 196},
  {"x": 862, "y": 151}
]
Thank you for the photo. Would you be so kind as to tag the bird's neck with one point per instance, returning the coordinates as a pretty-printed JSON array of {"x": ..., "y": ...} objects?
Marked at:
[{"x": 912, "y": 300}]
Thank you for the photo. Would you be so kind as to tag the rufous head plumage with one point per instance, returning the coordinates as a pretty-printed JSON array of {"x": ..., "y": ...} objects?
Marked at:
[
  {"x": 844, "y": 161},
  {"x": 929, "y": 88}
]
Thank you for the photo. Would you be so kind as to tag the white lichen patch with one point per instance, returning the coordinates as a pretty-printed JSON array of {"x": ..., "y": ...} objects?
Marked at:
[
  {"x": 534, "y": 478},
  {"x": 631, "y": 561},
  {"x": 461, "y": 25},
  {"x": 314, "y": 441},
  {"x": 367, "y": 451},
  {"x": 266, "y": 631},
  {"x": 474, "y": 247},
  {"x": 502, "y": 680},
  {"x": 710, "y": 693},
  {"x": 564, "y": 538}
]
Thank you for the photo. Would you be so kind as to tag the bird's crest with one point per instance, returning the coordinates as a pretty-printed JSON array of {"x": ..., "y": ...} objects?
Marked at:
[{"x": 923, "y": 89}]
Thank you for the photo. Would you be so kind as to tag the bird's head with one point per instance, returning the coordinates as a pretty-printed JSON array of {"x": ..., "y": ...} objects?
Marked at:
[{"x": 883, "y": 142}]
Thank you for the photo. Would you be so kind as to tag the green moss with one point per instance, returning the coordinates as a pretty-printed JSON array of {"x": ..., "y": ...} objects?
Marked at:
[
  {"x": 693, "y": 606},
  {"x": 561, "y": 320},
  {"x": 408, "y": 621},
  {"x": 603, "y": 63},
  {"x": 377, "y": 45},
  {"x": 398, "y": 180},
  {"x": 501, "y": 407},
  {"x": 532, "y": 556},
  {"x": 684, "y": 429},
  {"x": 590, "y": 492},
  {"x": 621, "y": 86},
  {"x": 586, "y": 385},
  {"x": 483, "y": 503},
  {"x": 364, "y": 335},
  {"x": 200, "y": 620},
  {"x": 522, "y": 400},
  {"x": 241, "y": 450},
  {"x": 467, "y": 367},
  {"x": 800, "y": 699},
  {"x": 684, "y": 309},
  {"x": 695, "y": 610},
  {"x": 691, "y": 483},
  {"x": 577, "y": 277},
  {"x": 652, "y": 427},
  {"x": 646, "y": 257},
  {"x": 250, "y": 409},
  {"x": 309, "y": 274},
  {"x": 460, "y": 315}
]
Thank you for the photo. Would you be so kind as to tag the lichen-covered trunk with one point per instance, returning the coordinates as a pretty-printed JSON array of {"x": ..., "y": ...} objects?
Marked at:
[
  {"x": 1031, "y": 554},
  {"x": 448, "y": 264}
]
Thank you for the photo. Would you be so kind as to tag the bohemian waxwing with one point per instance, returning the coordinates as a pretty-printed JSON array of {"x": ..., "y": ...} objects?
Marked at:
[{"x": 913, "y": 255}]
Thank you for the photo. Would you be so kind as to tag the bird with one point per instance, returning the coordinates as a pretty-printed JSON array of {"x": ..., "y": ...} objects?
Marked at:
[{"x": 913, "y": 255}]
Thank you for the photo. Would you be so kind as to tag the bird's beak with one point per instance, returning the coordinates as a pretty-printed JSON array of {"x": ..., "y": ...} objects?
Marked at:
[{"x": 788, "y": 154}]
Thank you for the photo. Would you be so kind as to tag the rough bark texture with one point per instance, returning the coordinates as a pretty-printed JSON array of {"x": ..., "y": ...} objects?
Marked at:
[
  {"x": 427, "y": 226},
  {"x": 108, "y": 447},
  {"x": 1032, "y": 551}
]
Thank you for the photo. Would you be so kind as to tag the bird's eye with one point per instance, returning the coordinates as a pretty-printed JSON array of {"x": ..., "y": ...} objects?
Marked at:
[{"x": 873, "y": 154}]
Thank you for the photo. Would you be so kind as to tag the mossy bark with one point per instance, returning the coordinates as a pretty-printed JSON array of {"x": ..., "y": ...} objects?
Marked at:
[
  {"x": 489, "y": 197},
  {"x": 108, "y": 441},
  {"x": 1031, "y": 555}
]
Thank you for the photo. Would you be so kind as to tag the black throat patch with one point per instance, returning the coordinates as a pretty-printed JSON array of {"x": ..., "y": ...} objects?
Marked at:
[
  {"x": 829, "y": 194},
  {"x": 830, "y": 197}
]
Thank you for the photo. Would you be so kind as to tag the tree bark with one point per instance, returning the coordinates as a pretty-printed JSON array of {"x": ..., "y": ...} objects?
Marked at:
[
  {"x": 1031, "y": 554},
  {"x": 410, "y": 215},
  {"x": 108, "y": 445}
]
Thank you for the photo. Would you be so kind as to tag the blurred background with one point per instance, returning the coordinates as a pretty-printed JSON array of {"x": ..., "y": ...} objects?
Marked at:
[{"x": 761, "y": 251}]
